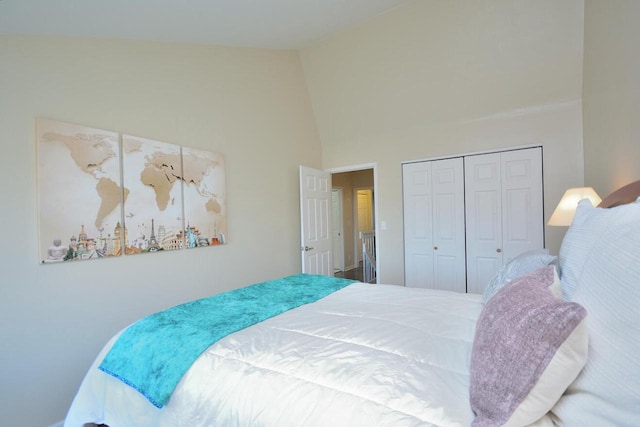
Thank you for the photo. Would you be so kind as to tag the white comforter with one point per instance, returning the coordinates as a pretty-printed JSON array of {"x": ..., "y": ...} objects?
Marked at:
[{"x": 367, "y": 355}]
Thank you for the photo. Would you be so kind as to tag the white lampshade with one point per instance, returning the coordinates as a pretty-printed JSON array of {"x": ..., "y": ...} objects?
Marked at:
[{"x": 566, "y": 209}]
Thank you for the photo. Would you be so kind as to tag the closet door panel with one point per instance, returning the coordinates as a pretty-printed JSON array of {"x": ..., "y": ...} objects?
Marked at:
[
  {"x": 523, "y": 221},
  {"x": 420, "y": 275},
  {"x": 484, "y": 269},
  {"x": 433, "y": 194},
  {"x": 447, "y": 273},
  {"x": 448, "y": 224},
  {"x": 418, "y": 224},
  {"x": 483, "y": 219}
]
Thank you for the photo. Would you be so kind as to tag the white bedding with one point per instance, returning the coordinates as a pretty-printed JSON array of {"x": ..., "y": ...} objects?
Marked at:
[
  {"x": 367, "y": 355},
  {"x": 376, "y": 355}
]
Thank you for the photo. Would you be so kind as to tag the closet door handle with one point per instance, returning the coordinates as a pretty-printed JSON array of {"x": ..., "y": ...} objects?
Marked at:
[
  {"x": 435, "y": 248},
  {"x": 498, "y": 250}
]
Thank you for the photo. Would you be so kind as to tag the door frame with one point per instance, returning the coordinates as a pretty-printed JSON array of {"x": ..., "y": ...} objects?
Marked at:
[
  {"x": 376, "y": 217},
  {"x": 338, "y": 226}
]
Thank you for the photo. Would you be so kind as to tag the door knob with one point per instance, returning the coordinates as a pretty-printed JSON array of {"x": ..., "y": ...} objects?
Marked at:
[
  {"x": 498, "y": 250},
  {"x": 307, "y": 248},
  {"x": 435, "y": 248}
]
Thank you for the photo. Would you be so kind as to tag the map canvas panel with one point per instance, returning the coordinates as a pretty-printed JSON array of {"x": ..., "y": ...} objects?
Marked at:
[
  {"x": 79, "y": 192},
  {"x": 204, "y": 197},
  {"x": 153, "y": 209}
]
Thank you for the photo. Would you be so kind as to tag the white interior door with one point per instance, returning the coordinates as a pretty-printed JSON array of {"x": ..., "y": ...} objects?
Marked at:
[
  {"x": 418, "y": 225},
  {"x": 504, "y": 211},
  {"x": 484, "y": 222},
  {"x": 522, "y": 212},
  {"x": 434, "y": 239},
  {"x": 337, "y": 229},
  {"x": 449, "y": 261},
  {"x": 315, "y": 221}
]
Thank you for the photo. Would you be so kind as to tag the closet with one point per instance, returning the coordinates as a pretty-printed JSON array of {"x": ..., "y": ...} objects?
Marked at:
[
  {"x": 434, "y": 241},
  {"x": 465, "y": 217}
]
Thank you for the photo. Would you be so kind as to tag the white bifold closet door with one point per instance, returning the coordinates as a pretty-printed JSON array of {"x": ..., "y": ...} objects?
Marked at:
[
  {"x": 504, "y": 213},
  {"x": 466, "y": 217},
  {"x": 433, "y": 195}
]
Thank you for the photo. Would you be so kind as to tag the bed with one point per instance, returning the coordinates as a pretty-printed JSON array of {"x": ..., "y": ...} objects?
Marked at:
[{"x": 553, "y": 341}]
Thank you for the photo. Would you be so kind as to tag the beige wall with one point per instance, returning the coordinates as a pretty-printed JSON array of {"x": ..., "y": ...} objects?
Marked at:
[
  {"x": 250, "y": 105},
  {"x": 440, "y": 78},
  {"x": 433, "y": 78},
  {"x": 611, "y": 93}
]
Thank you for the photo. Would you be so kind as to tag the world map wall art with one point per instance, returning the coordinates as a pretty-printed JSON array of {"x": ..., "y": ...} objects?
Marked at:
[{"x": 104, "y": 194}]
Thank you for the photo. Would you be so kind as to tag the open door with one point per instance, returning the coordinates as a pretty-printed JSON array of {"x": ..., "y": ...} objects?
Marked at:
[{"x": 315, "y": 221}]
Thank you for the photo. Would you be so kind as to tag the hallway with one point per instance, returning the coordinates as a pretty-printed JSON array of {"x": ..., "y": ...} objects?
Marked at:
[{"x": 355, "y": 274}]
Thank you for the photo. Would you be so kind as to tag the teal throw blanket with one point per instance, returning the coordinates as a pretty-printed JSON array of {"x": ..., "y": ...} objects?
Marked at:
[{"x": 153, "y": 354}]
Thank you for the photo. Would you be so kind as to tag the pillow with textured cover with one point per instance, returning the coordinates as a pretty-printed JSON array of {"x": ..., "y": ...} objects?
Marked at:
[
  {"x": 607, "y": 391},
  {"x": 529, "y": 347},
  {"x": 589, "y": 225},
  {"x": 524, "y": 263}
]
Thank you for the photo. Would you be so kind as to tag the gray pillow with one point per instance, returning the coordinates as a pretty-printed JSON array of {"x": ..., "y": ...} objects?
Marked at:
[{"x": 524, "y": 263}]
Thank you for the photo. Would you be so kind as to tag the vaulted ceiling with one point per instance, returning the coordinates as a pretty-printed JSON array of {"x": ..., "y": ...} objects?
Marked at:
[{"x": 276, "y": 24}]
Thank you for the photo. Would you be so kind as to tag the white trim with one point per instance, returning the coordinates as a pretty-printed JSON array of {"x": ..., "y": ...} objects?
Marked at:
[
  {"x": 58, "y": 424},
  {"x": 527, "y": 111},
  {"x": 474, "y": 153},
  {"x": 340, "y": 227},
  {"x": 355, "y": 168}
]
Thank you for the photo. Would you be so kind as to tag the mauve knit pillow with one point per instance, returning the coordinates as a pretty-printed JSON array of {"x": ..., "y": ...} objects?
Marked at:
[{"x": 529, "y": 347}]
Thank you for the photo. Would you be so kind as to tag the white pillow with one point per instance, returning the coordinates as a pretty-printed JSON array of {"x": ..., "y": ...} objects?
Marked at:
[
  {"x": 589, "y": 225},
  {"x": 522, "y": 264},
  {"x": 607, "y": 391}
]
